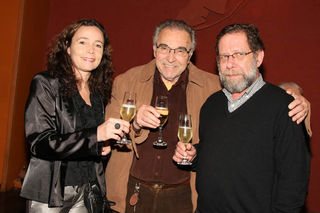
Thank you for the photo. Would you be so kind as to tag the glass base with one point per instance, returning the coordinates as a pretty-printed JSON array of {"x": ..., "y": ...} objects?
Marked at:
[
  {"x": 124, "y": 141},
  {"x": 185, "y": 162},
  {"x": 160, "y": 144}
]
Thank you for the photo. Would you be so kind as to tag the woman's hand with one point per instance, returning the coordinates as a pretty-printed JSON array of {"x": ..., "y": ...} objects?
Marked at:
[
  {"x": 112, "y": 128},
  {"x": 105, "y": 150}
]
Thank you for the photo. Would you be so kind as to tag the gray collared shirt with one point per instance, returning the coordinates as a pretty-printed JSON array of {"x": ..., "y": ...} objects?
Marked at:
[{"x": 235, "y": 104}]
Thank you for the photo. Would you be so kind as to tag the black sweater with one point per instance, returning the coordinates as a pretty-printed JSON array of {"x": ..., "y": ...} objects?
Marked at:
[{"x": 253, "y": 160}]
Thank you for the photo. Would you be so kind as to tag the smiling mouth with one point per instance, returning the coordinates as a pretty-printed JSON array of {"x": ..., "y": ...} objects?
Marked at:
[
  {"x": 89, "y": 59},
  {"x": 169, "y": 65}
]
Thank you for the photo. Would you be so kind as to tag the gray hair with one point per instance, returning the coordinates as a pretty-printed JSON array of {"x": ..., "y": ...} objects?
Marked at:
[{"x": 175, "y": 24}]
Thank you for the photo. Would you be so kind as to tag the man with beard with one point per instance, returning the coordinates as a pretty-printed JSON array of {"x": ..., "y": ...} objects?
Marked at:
[
  {"x": 251, "y": 156},
  {"x": 139, "y": 176}
]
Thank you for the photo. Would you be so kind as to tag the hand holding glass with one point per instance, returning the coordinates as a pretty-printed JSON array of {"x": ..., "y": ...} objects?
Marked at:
[
  {"x": 161, "y": 106},
  {"x": 127, "y": 112},
  {"x": 185, "y": 134}
]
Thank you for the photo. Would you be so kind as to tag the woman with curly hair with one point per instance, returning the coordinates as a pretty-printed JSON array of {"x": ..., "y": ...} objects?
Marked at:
[{"x": 64, "y": 121}]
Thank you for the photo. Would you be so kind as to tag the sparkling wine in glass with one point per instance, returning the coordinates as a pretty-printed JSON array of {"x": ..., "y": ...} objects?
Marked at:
[
  {"x": 127, "y": 112},
  {"x": 185, "y": 133},
  {"x": 161, "y": 106}
]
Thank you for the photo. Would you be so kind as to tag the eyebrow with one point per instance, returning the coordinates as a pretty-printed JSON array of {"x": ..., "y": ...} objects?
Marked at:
[
  {"x": 172, "y": 48},
  {"x": 86, "y": 38}
]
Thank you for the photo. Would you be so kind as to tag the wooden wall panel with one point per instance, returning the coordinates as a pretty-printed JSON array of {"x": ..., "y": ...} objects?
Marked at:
[
  {"x": 9, "y": 37},
  {"x": 29, "y": 47}
]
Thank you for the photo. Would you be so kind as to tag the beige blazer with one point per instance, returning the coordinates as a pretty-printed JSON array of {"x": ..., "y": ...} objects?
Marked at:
[{"x": 140, "y": 80}]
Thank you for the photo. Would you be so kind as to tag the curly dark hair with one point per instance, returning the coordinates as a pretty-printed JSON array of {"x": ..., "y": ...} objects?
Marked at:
[
  {"x": 254, "y": 40},
  {"x": 59, "y": 63}
]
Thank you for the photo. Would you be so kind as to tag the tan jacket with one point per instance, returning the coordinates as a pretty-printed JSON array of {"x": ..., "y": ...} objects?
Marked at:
[{"x": 140, "y": 80}]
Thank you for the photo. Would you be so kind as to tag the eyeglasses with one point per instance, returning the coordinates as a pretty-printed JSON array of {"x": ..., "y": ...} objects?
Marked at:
[
  {"x": 238, "y": 56},
  {"x": 179, "y": 51}
]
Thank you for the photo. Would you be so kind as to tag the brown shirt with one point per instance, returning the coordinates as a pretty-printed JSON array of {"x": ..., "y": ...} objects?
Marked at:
[{"x": 156, "y": 165}]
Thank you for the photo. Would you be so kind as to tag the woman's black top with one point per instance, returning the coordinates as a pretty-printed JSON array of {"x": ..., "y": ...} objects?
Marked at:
[{"x": 80, "y": 172}]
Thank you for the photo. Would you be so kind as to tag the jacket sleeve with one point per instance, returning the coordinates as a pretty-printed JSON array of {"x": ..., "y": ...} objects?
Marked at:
[
  {"x": 292, "y": 160},
  {"x": 46, "y": 134},
  {"x": 120, "y": 86}
]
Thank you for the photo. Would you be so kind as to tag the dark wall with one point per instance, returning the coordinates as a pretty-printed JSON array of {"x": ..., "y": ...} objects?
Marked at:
[{"x": 290, "y": 29}]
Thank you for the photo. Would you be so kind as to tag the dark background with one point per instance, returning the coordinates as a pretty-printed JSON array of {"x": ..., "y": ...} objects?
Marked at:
[{"x": 289, "y": 28}]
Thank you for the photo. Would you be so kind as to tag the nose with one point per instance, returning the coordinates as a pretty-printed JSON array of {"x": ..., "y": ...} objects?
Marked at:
[
  {"x": 171, "y": 56},
  {"x": 230, "y": 61},
  {"x": 91, "y": 49}
]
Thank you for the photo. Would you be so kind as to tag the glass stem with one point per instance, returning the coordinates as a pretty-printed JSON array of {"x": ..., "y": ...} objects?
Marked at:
[
  {"x": 124, "y": 137},
  {"x": 184, "y": 157},
  {"x": 160, "y": 134}
]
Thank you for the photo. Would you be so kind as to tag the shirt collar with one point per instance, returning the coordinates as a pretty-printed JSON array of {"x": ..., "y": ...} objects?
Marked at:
[
  {"x": 183, "y": 79},
  {"x": 259, "y": 82}
]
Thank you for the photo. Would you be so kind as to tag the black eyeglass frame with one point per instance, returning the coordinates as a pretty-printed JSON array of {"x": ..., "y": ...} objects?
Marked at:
[
  {"x": 234, "y": 55},
  {"x": 169, "y": 49}
]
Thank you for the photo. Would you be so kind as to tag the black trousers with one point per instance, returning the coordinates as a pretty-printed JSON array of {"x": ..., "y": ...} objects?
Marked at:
[{"x": 159, "y": 198}]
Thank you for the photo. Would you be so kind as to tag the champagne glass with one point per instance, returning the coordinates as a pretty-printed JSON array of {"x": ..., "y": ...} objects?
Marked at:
[
  {"x": 185, "y": 134},
  {"x": 127, "y": 112},
  {"x": 161, "y": 106}
]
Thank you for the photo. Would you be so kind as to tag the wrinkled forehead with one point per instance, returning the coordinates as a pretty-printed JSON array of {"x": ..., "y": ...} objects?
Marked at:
[{"x": 174, "y": 38}]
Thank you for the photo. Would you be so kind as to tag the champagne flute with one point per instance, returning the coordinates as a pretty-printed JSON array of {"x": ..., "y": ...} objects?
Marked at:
[
  {"x": 127, "y": 112},
  {"x": 185, "y": 134},
  {"x": 161, "y": 106}
]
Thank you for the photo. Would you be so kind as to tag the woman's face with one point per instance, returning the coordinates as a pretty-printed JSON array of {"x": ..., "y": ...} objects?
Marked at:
[{"x": 86, "y": 49}]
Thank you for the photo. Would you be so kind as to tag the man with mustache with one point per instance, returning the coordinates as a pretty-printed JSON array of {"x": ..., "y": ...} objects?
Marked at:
[{"x": 251, "y": 156}]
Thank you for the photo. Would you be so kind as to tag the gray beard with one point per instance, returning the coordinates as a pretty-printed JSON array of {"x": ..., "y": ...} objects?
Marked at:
[
  {"x": 241, "y": 85},
  {"x": 233, "y": 87}
]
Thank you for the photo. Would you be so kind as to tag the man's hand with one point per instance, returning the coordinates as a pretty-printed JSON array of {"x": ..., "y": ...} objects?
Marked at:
[
  {"x": 147, "y": 116},
  {"x": 299, "y": 107},
  {"x": 184, "y": 151}
]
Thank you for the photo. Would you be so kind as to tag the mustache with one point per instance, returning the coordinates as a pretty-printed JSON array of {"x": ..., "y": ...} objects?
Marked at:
[{"x": 230, "y": 72}]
